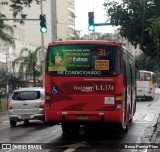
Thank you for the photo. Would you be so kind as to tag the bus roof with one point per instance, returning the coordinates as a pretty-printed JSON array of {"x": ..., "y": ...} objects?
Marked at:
[
  {"x": 84, "y": 42},
  {"x": 146, "y": 71},
  {"x": 112, "y": 43}
]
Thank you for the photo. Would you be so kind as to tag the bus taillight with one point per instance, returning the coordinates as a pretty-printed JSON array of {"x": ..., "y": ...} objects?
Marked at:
[
  {"x": 47, "y": 100},
  {"x": 119, "y": 99}
]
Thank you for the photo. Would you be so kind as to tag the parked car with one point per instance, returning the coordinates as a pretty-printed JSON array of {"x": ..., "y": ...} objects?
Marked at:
[{"x": 26, "y": 104}]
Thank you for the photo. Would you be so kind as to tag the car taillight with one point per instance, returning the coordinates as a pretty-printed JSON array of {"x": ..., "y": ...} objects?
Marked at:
[
  {"x": 42, "y": 103},
  {"x": 9, "y": 105}
]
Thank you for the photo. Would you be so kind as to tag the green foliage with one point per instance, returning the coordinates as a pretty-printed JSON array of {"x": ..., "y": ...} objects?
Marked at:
[
  {"x": 6, "y": 33},
  {"x": 3, "y": 78},
  {"x": 105, "y": 36},
  {"x": 154, "y": 30},
  {"x": 28, "y": 60},
  {"x": 16, "y": 7},
  {"x": 132, "y": 17},
  {"x": 145, "y": 62}
]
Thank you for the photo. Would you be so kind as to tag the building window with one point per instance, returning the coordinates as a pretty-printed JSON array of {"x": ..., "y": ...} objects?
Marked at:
[
  {"x": 71, "y": 22},
  {"x": 71, "y": 5}
]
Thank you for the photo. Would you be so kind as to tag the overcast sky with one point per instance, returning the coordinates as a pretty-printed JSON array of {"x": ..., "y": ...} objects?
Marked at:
[{"x": 82, "y": 7}]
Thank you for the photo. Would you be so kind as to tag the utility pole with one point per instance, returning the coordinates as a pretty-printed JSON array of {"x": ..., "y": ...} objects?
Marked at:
[
  {"x": 7, "y": 76},
  {"x": 42, "y": 52}
]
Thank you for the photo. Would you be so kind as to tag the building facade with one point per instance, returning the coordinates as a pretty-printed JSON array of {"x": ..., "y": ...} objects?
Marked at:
[{"x": 60, "y": 19}]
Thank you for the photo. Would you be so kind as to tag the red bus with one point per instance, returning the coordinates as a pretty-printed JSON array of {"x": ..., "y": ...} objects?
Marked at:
[{"x": 97, "y": 85}]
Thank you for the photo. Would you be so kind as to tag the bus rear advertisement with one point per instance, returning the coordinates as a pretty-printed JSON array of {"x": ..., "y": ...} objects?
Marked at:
[{"x": 89, "y": 82}]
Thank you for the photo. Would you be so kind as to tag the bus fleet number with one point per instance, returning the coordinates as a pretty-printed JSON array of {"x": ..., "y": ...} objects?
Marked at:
[{"x": 104, "y": 87}]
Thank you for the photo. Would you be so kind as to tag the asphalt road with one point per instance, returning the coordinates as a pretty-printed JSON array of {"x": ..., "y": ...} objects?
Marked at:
[{"x": 140, "y": 131}]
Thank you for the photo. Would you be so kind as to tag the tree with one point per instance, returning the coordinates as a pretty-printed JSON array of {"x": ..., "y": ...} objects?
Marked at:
[
  {"x": 28, "y": 61},
  {"x": 145, "y": 62},
  {"x": 6, "y": 33},
  {"x": 132, "y": 17},
  {"x": 105, "y": 36},
  {"x": 3, "y": 78},
  {"x": 16, "y": 7}
]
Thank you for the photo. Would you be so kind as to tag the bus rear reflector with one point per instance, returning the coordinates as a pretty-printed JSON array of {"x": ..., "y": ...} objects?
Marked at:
[{"x": 119, "y": 105}]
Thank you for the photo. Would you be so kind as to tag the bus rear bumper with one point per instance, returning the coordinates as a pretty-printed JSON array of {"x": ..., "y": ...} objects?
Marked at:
[{"x": 84, "y": 116}]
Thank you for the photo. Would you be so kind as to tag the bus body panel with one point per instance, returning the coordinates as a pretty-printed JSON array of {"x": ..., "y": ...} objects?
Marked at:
[
  {"x": 87, "y": 96},
  {"x": 115, "y": 116},
  {"x": 146, "y": 88}
]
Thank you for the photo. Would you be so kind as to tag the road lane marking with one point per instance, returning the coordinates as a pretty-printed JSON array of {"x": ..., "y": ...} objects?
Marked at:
[
  {"x": 149, "y": 117},
  {"x": 33, "y": 141},
  {"x": 73, "y": 147}
]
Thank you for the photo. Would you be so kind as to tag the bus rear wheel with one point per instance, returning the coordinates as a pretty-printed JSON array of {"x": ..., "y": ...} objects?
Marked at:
[
  {"x": 125, "y": 125},
  {"x": 65, "y": 128}
]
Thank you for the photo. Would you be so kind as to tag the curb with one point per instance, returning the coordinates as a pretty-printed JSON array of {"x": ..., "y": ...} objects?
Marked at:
[
  {"x": 4, "y": 112},
  {"x": 156, "y": 135}
]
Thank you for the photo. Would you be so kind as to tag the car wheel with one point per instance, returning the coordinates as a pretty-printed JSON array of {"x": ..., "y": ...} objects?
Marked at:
[
  {"x": 13, "y": 123},
  {"x": 26, "y": 122}
]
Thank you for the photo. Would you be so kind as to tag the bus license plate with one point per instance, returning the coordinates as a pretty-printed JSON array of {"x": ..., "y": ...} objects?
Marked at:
[{"x": 82, "y": 117}]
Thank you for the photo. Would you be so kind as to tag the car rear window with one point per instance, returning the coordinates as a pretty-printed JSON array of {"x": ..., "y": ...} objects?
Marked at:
[{"x": 26, "y": 95}]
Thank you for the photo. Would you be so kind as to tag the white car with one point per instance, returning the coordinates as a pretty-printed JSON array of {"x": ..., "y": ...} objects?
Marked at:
[{"x": 26, "y": 104}]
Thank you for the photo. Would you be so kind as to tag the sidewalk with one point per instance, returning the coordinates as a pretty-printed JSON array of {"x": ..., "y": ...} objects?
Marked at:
[
  {"x": 4, "y": 112},
  {"x": 3, "y": 105},
  {"x": 156, "y": 135}
]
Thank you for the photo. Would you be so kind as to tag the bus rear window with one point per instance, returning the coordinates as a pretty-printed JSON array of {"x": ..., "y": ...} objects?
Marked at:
[
  {"x": 145, "y": 76},
  {"x": 83, "y": 60}
]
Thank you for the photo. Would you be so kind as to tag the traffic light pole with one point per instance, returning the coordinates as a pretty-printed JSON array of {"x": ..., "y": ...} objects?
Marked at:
[
  {"x": 102, "y": 24},
  {"x": 43, "y": 54}
]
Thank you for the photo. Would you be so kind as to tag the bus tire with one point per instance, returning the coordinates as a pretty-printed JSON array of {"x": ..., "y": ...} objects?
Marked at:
[
  {"x": 75, "y": 128},
  {"x": 65, "y": 128},
  {"x": 152, "y": 98},
  {"x": 125, "y": 126},
  {"x": 131, "y": 120}
]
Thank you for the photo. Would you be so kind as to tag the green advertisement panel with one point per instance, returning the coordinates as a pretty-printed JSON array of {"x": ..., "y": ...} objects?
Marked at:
[{"x": 81, "y": 59}]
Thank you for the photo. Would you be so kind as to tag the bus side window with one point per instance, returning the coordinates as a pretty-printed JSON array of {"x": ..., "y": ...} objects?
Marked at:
[
  {"x": 137, "y": 74},
  {"x": 125, "y": 73},
  {"x": 131, "y": 74}
]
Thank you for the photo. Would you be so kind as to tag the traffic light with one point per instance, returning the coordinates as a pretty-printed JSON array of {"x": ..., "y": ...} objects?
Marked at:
[
  {"x": 43, "y": 26},
  {"x": 91, "y": 25}
]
